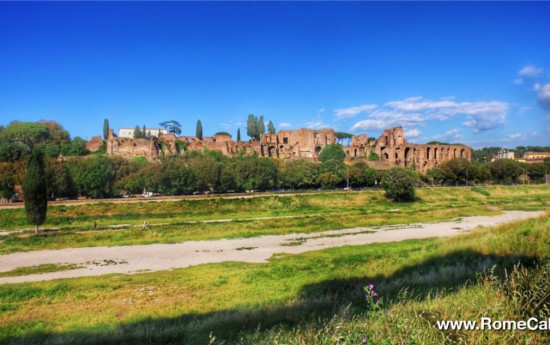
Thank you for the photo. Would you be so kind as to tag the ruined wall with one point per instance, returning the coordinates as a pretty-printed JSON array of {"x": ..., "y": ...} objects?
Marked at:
[
  {"x": 94, "y": 144},
  {"x": 131, "y": 147},
  {"x": 392, "y": 147},
  {"x": 301, "y": 143}
]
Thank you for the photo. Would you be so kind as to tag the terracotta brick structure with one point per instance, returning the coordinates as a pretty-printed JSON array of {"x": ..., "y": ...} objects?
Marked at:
[{"x": 392, "y": 147}]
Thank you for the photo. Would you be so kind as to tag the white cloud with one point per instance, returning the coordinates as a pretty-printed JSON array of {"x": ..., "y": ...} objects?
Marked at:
[
  {"x": 452, "y": 135},
  {"x": 411, "y": 112},
  {"x": 316, "y": 125},
  {"x": 412, "y": 133},
  {"x": 371, "y": 124},
  {"x": 544, "y": 97},
  {"x": 418, "y": 104},
  {"x": 322, "y": 110},
  {"x": 514, "y": 136},
  {"x": 285, "y": 125},
  {"x": 537, "y": 87},
  {"x": 518, "y": 81},
  {"x": 530, "y": 71},
  {"x": 344, "y": 113}
]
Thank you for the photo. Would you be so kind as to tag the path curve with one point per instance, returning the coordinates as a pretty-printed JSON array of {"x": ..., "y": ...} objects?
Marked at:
[{"x": 157, "y": 257}]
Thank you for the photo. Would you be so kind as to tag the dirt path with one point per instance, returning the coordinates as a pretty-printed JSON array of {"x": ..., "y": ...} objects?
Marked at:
[{"x": 156, "y": 257}]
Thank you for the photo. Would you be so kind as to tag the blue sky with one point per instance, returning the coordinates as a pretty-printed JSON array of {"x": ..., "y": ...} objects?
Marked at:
[{"x": 476, "y": 73}]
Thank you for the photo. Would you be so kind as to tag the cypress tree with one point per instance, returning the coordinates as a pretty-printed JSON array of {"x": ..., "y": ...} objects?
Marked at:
[
  {"x": 144, "y": 132},
  {"x": 35, "y": 190},
  {"x": 199, "y": 130},
  {"x": 238, "y": 134},
  {"x": 251, "y": 126},
  {"x": 271, "y": 128},
  {"x": 137, "y": 132},
  {"x": 105, "y": 129},
  {"x": 261, "y": 126}
]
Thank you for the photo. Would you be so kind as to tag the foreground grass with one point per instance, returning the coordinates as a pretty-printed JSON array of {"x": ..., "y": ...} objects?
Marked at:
[
  {"x": 46, "y": 268},
  {"x": 177, "y": 221},
  {"x": 312, "y": 298}
]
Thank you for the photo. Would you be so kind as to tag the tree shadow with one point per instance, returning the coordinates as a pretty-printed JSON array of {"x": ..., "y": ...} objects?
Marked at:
[{"x": 447, "y": 273}]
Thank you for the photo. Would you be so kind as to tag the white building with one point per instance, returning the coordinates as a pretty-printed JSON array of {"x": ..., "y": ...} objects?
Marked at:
[
  {"x": 129, "y": 132},
  {"x": 504, "y": 154}
]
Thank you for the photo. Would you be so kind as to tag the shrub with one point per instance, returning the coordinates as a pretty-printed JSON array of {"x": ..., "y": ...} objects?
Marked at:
[
  {"x": 399, "y": 184},
  {"x": 332, "y": 151}
]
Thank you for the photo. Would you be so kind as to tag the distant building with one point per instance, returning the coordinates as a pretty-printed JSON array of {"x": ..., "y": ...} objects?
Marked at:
[
  {"x": 129, "y": 132},
  {"x": 504, "y": 154},
  {"x": 536, "y": 155}
]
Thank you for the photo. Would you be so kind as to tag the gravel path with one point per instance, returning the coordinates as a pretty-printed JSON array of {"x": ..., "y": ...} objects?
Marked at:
[{"x": 156, "y": 257}]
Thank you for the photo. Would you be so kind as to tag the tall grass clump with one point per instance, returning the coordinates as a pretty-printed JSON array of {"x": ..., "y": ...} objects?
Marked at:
[{"x": 480, "y": 190}]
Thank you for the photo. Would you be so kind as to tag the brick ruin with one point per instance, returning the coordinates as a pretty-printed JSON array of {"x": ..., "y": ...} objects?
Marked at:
[{"x": 391, "y": 147}]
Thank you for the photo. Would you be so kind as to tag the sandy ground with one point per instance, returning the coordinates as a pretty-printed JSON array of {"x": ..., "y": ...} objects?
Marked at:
[{"x": 156, "y": 257}]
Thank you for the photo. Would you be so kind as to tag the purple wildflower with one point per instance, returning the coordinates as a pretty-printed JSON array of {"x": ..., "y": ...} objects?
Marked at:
[{"x": 363, "y": 340}]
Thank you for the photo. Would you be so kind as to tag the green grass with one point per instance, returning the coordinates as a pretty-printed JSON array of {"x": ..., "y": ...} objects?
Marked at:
[
  {"x": 177, "y": 221},
  {"x": 312, "y": 298},
  {"x": 46, "y": 268},
  {"x": 481, "y": 190}
]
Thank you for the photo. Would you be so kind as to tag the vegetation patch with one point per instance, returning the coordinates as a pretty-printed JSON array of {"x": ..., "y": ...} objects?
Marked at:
[
  {"x": 481, "y": 190},
  {"x": 311, "y": 298},
  {"x": 40, "y": 269}
]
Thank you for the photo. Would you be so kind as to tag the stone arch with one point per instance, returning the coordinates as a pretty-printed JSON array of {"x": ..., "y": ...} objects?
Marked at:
[
  {"x": 386, "y": 156},
  {"x": 272, "y": 151},
  {"x": 317, "y": 149},
  {"x": 435, "y": 154},
  {"x": 454, "y": 153},
  {"x": 407, "y": 155},
  {"x": 428, "y": 154},
  {"x": 462, "y": 153}
]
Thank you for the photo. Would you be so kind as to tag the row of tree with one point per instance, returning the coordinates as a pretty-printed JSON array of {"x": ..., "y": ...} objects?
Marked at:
[
  {"x": 18, "y": 139},
  {"x": 100, "y": 176}
]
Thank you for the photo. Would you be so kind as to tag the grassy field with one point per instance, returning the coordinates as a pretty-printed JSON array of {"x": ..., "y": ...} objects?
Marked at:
[
  {"x": 312, "y": 298},
  {"x": 176, "y": 221}
]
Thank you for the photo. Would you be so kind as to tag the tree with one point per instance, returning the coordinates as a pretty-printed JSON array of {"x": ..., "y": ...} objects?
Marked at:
[
  {"x": 328, "y": 180},
  {"x": 299, "y": 173},
  {"x": 271, "y": 128},
  {"x": 36, "y": 190},
  {"x": 137, "y": 132},
  {"x": 399, "y": 184},
  {"x": 238, "y": 135},
  {"x": 332, "y": 151},
  {"x": 94, "y": 177},
  {"x": 261, "y": 126},
  {"x": 252, "y": 127},
  {"x": 20, "y": 138},
  {"x": 198, "y": 132},
  {"x": 7, "y": 181},
  {"x": 505, "y": 170},
  {"x": 105, "y": 129},
  {"x": 336, "y": 168},
  {"x": 144, "y": 132},
  {"x": 255, "y": 173},
  {"x": 59, "y": 180},
  {"x": 171, "y": 126},
  {"x": 77, "y": 147},
  {"x": 222, "y": 133},
  {"x": 361, "y": 175},
  {"x": 340, "y": 136}
]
